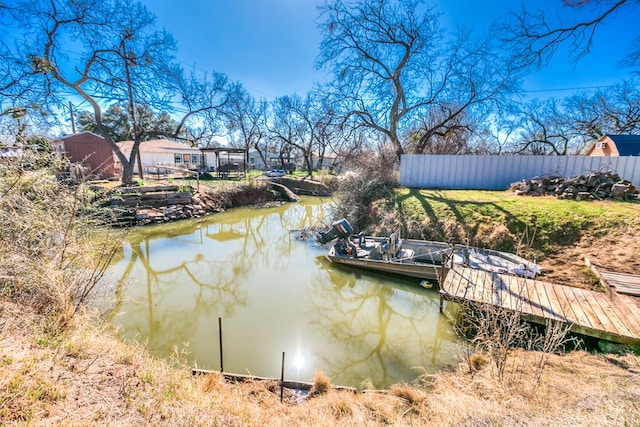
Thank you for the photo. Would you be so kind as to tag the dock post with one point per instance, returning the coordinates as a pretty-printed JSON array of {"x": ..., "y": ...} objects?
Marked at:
[
  {"x": 282, "y": 378},
  {"x": 220, "y": 340},
  {"x": 441, "y": 278}
]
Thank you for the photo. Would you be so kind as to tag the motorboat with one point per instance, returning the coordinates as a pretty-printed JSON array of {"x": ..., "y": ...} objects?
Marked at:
[{"x": 423, "y": 259}]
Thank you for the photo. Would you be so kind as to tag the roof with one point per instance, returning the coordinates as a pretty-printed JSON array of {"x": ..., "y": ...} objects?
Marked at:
[
  {"x": 71, "y": 135},
  {"x": 157, "y": 146},
  {"x": 326, "y": 155},
  {"x": 627, "y": 145},
  {"x": 223, "y": 149}
]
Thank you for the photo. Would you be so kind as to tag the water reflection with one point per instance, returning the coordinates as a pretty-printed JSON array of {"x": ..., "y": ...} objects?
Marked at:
[
  {"x": 388, "y": 330},
  {"x": 275, "y": 293}
]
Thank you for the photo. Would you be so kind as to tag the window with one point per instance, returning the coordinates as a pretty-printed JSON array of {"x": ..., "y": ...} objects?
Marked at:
[{"x": 177, "y": 158}]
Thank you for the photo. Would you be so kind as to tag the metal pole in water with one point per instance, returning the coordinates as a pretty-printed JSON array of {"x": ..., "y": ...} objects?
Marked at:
[
  {"x": 282, "y": 378},
  {"x": 220, "y": 339}
]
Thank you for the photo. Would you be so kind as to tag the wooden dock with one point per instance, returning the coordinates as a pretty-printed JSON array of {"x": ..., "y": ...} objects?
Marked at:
[
  {"x": 610, "y": 316},
  {"x": 617, "y": 283}
]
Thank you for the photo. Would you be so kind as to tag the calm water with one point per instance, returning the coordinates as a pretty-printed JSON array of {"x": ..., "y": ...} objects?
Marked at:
[{"x": 275, "y": 293}]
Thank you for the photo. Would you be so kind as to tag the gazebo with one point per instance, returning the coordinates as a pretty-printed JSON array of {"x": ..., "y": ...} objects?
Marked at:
[{"x": 225, "y": 164}]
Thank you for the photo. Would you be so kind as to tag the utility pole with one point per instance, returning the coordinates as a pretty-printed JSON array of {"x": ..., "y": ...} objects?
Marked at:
[{"x": 73, "y": 119}]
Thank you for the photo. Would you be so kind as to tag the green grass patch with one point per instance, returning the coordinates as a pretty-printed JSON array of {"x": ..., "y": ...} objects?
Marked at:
[{"x": 504, "y": 221}]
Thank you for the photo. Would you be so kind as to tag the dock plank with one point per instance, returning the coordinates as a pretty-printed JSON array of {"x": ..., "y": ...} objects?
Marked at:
[
  {"x": 466, "y": 285},
  {"x": 541, "y": 300},
  {"x": 532, "y": 297},
  {"x": 606, "y": 317},
  {"x": 484, "y": 290},
  {"x": 579, "y": 315},
  {"x": 622, "y": 282},
  {"x": 573, "y": 315},
  {"x": 553, "y": 302},
  {"x": 626, "y": 317},
  {"x": 563, "y": 302},
  {"x": 547, "y": 307},
  {"x": 631, "y": 312},
  {"x": 516, "y": 289},
  {"x": 585, "y": 305},
  {"x": 613, "y": 317}
]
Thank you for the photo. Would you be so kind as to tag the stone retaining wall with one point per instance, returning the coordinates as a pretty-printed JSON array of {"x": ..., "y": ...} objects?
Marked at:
[{"x": 154, "y": 205}]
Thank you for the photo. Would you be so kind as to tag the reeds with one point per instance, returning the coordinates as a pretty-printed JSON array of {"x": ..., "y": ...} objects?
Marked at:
[{"x": 52, "y": 258}]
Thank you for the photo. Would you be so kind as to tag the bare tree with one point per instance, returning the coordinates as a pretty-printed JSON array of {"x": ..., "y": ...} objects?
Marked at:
[
  {"x": 615, "y": 110},
  {"x": 566, "y": 126},
  {"x": 204, "y": 100},
  {"x": 114, "y": 54},
  {"x": 116, "y": 120},
  {"x": 442, "y": 131},
  {"x": 544, "y": 130},
  {"x": 393, "y": 63},
  {"x": 306, "y": 125},
  {"x": 292, "y": 127},
  {"x": 246, "y": 122},
  {"x": 537, "y": 36},
  {"x": 328, "y": 131}
]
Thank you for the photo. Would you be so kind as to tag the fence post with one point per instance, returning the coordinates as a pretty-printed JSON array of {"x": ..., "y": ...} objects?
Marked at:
[
  {"x": 282, "y": 378},
  {"x": 220, "y": 340}
]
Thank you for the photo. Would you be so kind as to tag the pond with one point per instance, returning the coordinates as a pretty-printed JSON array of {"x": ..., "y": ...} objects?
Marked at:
[{"x": 274, "y": 293}]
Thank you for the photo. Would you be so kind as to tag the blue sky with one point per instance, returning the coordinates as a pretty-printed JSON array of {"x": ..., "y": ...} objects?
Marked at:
[{"x": 270, "y": 45}]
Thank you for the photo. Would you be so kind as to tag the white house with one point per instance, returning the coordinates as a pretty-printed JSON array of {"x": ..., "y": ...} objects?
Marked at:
[
  {"x": 255, "y": 161},
  {"x": 328, "y": 159},
  {"x": 162, "y": 152}
]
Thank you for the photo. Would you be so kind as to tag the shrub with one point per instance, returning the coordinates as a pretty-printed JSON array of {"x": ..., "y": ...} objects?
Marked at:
[
  {"x": 374, "y": 178},
  {"x": 52, "y": 258},
  {"x": 321, "y": 384}
]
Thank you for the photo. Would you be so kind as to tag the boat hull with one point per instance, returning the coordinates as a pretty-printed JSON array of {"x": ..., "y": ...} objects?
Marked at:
[
  {"x": 417, "y": 258},
  {"x": 417, "y": 270},
  {"x": 423, "y": 259}
]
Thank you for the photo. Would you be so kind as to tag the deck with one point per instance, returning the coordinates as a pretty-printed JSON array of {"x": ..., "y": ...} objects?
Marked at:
[
  {"x": 609, "y": 316},
  {"x": 617, "y": 283}
]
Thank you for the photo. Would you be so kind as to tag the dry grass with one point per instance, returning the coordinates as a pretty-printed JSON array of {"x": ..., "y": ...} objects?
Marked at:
[
  {"x": 321, "y": 384},
  {"x": 87, "y": 377},
  {"x": 52, "y": 258}
]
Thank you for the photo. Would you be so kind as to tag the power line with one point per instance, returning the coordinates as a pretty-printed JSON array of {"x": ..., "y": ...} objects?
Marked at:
[{"x": 569, "y": 88}]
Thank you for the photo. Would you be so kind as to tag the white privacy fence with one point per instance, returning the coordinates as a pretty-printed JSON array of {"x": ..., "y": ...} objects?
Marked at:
[{"x": 498, "y": 172}]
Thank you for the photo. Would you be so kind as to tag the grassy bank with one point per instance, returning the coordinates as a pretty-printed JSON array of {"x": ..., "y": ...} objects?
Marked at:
[
  {"x": 59, "y": 365},
  {"x": 559, "y": 234}
]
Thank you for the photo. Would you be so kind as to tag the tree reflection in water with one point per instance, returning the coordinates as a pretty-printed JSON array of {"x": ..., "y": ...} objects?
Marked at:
[
  {"x": 275, "y": 293},
  {"x": 390, "y": 327},
  {"x": 176, "y": 279}
]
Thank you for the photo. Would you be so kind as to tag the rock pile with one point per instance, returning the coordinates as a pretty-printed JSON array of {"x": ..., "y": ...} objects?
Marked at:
[{"x": 593, "y": 186}]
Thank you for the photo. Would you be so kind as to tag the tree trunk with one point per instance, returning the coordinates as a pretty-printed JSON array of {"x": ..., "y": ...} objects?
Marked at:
[
  {"x": 397, "y": 147},
  {"x": 127, "y": 173},
  {"x": 309, "y": 162}
]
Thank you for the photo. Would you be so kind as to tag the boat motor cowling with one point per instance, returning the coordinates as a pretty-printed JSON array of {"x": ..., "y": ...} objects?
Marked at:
[{"x": 340, "y": 228}]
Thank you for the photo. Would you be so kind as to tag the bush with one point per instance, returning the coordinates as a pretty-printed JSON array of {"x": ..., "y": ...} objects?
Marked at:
[
  {"x": 52, "y": 258},
  {"x": 374, "y": 179}
]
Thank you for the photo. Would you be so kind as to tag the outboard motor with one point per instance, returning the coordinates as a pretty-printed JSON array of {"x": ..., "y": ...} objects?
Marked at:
[{"x": 340, "y": 228}]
